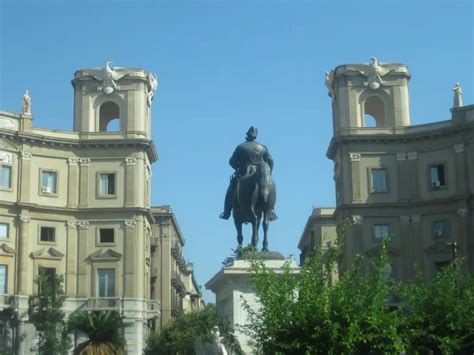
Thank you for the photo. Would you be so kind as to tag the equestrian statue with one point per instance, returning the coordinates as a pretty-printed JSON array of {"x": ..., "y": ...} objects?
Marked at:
[{"x": 251, "y": 194}]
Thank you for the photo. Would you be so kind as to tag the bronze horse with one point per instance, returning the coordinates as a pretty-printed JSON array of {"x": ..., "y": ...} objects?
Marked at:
[{"x": 255, "y": 196}]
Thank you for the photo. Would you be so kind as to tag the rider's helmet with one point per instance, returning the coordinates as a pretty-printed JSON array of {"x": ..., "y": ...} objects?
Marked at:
[{"x": 251, "y": 134}]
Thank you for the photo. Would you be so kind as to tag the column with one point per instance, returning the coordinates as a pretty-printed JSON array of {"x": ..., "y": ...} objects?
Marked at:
[
  {"x": 84, "y": 182},
  {"x": 25, "y": 176},
  {"x": 129, "y": 259},
  {"x": 130, "y": 182},
  {"x": 73, "y": 182},
  {"x": 81, "y": 256},
  {"x": 355, "y": 176},
  {"x": 22, "y": 281},
  {"x": 71, "y": 259}
]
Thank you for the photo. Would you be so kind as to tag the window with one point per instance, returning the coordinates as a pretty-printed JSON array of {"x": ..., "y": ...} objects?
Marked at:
[
  {"x": 440, "y": 229},
  {"x": 4, "y": 230},
  {"x": 47, "y": 235},
  {"x": 48, "y": 182},
  {"x": 106, "y": 235},
  {"x": 378, "y": 180},
  {"x": 6, "y": 176},
  {"x": 437, "y": 176},
  {"x": 107, "y": 184},
  {"x": 3, "y": 279},
  {"x": 380, "y": 231},
  {"x": 106, "y": 282}
]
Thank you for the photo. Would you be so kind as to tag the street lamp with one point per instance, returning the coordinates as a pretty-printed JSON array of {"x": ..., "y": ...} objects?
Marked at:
[{"x": 454, "y": 248}]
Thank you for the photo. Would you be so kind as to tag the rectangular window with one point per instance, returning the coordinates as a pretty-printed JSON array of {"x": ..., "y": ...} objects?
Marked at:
[
  {"x": 47, "y": 234},
  {"x": 48, "y": 182},
  {"x": 106, "y": 282},
  {"x": 380, "y": 231},
  {"x": 6, "y": 176},
  {"x": 3, "y": 279},
  {"x": 440, "y": 229},
  {"x": 107, "y": 184},
  {"x": 437, "y": 176},
  {"x": 4, "y": 230},
  {"x": 379, "y": 180},
  {"x": 106, "y": 235}
]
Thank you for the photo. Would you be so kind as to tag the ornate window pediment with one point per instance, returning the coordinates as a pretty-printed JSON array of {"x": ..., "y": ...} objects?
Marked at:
[
  {"x": 50, "y": 253},
  {"x": 105, "y": 255},
  {"x": 376, "y": 249},
  {"x": 438, "y": 247},
  {"x": 7, "y": 250}
]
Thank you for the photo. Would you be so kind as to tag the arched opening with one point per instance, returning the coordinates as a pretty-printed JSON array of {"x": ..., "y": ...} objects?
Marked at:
[
  {"x": 374, "y": 112},
  {"x": 109, "y": 117},
  {"x": 370, "y": 121}
]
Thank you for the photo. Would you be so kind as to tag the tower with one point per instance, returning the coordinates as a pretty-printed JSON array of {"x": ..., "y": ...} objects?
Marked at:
[
  {"x": 371, "y": 95},
  {"x": 106, "y": 95}
]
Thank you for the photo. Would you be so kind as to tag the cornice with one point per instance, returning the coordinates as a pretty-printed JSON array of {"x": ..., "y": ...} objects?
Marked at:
[
  {"x": 396, "y": 137},
  {"x": 82, "y": 143}
]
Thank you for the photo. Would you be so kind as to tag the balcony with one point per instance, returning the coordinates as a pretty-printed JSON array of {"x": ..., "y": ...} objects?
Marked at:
[
  {"x": 104, "y": 304},
  {"x": 153, "y": 309},
  {"x": 6, "y": 301}
]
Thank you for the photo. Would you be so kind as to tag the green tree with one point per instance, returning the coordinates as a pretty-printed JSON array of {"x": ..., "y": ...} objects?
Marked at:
[
  {"x": 181, "y": 334},
  {"x": 104, "y": 330},
  {"x": 307, "y": 313},
  {"x": 440, "y": 316},
  {"x": 47, "y": 315}
]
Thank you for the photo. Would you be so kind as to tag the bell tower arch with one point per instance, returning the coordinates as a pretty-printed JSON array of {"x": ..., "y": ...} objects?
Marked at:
[
  {"x": 373, "y": 95},
  {"x": 113, "y": 99}
]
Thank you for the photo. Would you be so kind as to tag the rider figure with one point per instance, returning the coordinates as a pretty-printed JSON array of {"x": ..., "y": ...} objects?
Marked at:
[{"x": 246, "y": 156}]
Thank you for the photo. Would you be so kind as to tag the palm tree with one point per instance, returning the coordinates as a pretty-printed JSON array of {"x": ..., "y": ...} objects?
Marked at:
[{"x": 103, "y": 330}]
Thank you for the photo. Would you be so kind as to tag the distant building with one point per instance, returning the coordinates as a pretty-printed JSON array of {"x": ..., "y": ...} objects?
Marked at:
[
  {"x": 320, "y": 230},
  {"x": 78, "y": 204},
  {"x": 174, "y": 284},
  {"x": 413, "y": 183}
]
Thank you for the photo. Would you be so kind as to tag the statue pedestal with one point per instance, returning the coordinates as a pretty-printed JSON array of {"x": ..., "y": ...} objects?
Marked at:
[{"x": 232, "y": 284}]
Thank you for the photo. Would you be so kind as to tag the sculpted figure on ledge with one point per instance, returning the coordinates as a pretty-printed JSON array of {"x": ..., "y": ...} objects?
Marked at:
[{"x": 251, "y": 194}]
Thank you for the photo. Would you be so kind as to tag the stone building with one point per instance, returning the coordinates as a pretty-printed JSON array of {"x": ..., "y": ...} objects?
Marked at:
[
  {"x": 78, "y": 204},
  {"x": 319, "y": 231},
  {"x": 173, "y": 282},
  {"x": 412, "y": 182}
]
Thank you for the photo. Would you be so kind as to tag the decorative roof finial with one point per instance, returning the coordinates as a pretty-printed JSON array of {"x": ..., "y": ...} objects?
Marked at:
[{"x": 457, "y": 95}]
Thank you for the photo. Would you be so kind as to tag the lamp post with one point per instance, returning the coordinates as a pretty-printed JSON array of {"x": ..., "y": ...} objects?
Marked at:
[{"x": 454, "y": 249}]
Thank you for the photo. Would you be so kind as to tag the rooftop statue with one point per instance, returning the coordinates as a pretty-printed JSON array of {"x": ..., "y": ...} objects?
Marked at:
[
  {"x": 251, "y": 193},
  {"x": 457, "y": 95},
  {"x": 26, "y": 107}
]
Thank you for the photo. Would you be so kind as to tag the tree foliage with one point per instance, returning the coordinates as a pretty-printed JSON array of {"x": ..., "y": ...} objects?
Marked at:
[
  {"x": 181, "y": 334},
  {"x": 47, "y": 315},
  {"x": 308, "y": 313},
  {"x": 104, "y": 330}
]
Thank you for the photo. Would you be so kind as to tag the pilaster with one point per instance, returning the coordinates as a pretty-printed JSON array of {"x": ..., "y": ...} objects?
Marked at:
[
  {"x": 129, "y": 258},
  {"x": 130, "y": 182},
  {"x": 71, "y": 259},
  {"x": 25, "y": 176},
  {"x": 84, "y": 182},
  {"x": 73, "y": 182},
  {"x": 82, "y": 254},
  {"x": 355, "y": 176}
]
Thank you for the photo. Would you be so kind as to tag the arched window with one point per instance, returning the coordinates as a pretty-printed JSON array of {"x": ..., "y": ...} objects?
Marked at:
[
  {"x": 374, "y": 112},
  {"x": 109, "y": 117}
]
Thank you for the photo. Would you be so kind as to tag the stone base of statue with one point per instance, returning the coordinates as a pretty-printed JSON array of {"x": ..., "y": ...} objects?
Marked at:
[{"x": 231, "y": 286}]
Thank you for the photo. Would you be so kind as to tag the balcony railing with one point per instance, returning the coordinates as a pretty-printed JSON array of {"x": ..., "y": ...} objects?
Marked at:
[{"x": 104, "y": 303}]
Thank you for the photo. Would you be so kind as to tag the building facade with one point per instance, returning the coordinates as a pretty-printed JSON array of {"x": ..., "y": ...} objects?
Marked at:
[
  {"x": 413, "y": 183},
  {"x": 78, "y": 203},
  {"x": 174, "y": 284},
  {"x": 319, "y": 231}
]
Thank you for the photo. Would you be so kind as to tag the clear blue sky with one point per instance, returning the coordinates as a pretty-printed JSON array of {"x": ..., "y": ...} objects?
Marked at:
[{"x": 224, "y": 66}]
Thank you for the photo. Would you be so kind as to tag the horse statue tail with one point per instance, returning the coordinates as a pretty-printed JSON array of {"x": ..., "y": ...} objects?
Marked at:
[{"x": 264, "y": 181}]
